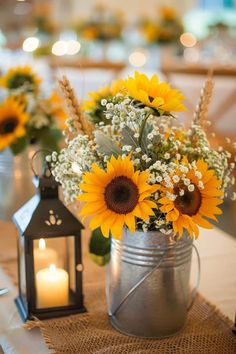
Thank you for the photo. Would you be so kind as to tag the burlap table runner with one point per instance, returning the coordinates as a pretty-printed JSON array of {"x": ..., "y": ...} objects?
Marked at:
[{"x": 206, "y": 331}]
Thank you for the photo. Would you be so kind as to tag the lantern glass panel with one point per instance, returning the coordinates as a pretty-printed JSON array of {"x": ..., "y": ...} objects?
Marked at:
[
  {"x": 21, "y": 268},
  {"x": 55, "y": 271}
]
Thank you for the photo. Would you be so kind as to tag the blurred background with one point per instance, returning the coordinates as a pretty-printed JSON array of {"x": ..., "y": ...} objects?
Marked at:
[{"x": 93, "y": 42}]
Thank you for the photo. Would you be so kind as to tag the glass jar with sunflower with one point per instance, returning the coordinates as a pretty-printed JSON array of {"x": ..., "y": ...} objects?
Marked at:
[
  {"x": 148, "y": 184},
  {"x": 28, "y": 121}
]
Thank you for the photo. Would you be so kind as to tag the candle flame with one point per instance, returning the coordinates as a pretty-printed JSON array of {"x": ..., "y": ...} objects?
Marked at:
[
  {"x": 52, "y": 268},
  {"x": 42, "y": 244}
]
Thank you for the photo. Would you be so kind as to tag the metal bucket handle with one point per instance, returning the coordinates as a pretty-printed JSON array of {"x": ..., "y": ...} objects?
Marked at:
[{"x": 194, "y": 291}]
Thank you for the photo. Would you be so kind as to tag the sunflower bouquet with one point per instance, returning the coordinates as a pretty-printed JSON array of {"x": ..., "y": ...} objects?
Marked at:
[
  {"x": 166, "y": 29},
  {"x": 103, "y": 24},
  {"x": 142, "y": 169},
  {"x": 26, "y": 116}
]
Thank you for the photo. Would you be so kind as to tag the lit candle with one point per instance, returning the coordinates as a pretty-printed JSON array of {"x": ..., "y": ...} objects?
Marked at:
[
  {"x": 52, "y": 285},
  {"x": 43, "y": 256}
]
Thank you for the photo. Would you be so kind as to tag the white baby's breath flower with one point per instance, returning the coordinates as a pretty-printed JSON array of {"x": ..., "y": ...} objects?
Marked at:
[
  {"x": 178, "y": 157},
  {"x": 166, "y": 156},
  {"x": 169, "y": 185},
  {"x": 200, "y": 185},
  {"x": 109, "y": 105},
  {"x": 159, "y": 179},
  {"x": 198, "y": 174},
  {"x": 136, "y": 135},
  {"x": 171, "y": 196},
  {"x": 181, "y": 192},
  {"x": 144, "y": 157},
  {"x": 187, "y": 181},
  {"x": 150, "y": 136},
  {"x": 145, "y": 228},
  {"x": 183, "y": 169},
  {"x": 191, "y": 187},
  {"x": 103, "y": 102},
  {"x": 156, "y": 196},
  {"x": 176, "y": 179},
  {"x": 138, "y": 149},
  {"x": 233, "y": 196}
]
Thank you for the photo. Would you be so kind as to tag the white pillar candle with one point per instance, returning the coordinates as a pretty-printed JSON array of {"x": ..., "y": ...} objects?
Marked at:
[
  {"x": 52, "y": 286},
  {"x": 44, "y": 256}
]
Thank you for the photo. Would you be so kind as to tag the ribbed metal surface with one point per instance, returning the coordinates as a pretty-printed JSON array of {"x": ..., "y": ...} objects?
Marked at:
[{"x": 148, "y": 283}]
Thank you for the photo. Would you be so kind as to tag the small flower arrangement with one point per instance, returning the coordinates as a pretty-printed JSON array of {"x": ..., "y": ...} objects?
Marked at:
[
  {"x": 142, "y": 169},
  {"x": 26, "y": 116},
  {"x": 166, "y": 29},
  {"x": 103, "y": 24}
]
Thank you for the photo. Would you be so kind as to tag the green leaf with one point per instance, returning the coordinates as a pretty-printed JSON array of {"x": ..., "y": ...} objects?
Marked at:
[
  {"x": 99, "y": 247},
  {"x": 128, "y": 137},
  {"x": 147, "y": 129},
  {"x": 107, "y": 146},
  {"x": 19, "y": 145}
]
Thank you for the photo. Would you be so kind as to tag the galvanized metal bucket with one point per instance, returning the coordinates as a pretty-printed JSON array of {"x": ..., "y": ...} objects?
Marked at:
[
  {"x": 16, "y": 185},
  {"x": 148, "y": 291}
]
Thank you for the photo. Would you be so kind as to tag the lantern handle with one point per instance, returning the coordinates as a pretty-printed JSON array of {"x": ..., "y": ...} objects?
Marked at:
[{"x": 46, "y": 166}]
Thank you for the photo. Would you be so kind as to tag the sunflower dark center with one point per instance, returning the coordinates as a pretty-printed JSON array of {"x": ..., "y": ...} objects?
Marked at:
[
  {"x": 8, "y": 125},
  {"x": 190, "y": 202},
  {"x": 121, "y": 195},
  {"x": 19, "y": 80}
]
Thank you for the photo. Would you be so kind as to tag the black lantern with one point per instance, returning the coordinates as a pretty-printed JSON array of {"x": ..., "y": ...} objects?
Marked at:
[{"x": 49, "y": 255}]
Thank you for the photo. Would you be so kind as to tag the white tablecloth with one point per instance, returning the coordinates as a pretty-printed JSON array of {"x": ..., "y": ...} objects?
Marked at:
[{"x": 218, "y": 285}]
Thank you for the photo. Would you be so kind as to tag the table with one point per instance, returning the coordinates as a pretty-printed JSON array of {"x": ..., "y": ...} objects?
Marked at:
[{"x": 218, "y": 284}]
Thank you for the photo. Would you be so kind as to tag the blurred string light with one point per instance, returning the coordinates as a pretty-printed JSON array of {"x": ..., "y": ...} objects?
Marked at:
[
  {"x": 188, "y": 39},
  {"x": 30, "y": 44},
  {"x": 70, "y": 47},
  {"x": 138, "y": 58}
]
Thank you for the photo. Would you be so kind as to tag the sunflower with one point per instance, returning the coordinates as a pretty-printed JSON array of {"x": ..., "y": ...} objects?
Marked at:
[
  {"x": 94, "y": 107},
  {"x": 115, "y": 197},
  {"x": 168, "y": 13},
  {"x": 12, "y": 122},
  {"x": 20, "y": 77},
  {"x": 155, "y": 94},
  {"x": 104, "y": 92},
  {"x": 194, "y": 202}
]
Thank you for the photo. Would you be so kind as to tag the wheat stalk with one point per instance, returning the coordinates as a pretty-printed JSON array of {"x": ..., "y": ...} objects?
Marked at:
[
  {"x": 80, "y": 124},
  {"x": 202, "y": 107}
]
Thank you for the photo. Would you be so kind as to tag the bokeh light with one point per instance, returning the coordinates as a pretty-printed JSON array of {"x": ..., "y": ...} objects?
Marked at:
[
  {"x": 30, "y": 44},
  {"x": 59, "y": 48},
  {"x": 138, "y": 58},
  {"x": 188, "y": 40},
  {"x": 73, "y": 47}
]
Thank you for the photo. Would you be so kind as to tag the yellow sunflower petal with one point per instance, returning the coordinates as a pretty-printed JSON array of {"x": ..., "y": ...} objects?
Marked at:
[{"x": 130, "y": 222}]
